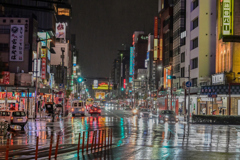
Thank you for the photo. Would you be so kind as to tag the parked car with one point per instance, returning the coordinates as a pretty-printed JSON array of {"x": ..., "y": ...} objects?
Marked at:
[
  {"x": 145, "y": 113},
  {"x": 14, "y": 118},
  {"x": 168, "y": 115}
]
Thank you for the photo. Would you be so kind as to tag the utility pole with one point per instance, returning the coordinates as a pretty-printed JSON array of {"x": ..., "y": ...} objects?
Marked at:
[{"x": 188, "y": 94}]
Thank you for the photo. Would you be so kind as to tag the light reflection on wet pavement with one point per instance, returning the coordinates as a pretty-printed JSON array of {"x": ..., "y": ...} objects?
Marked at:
[{"x": 133, "y": 138}]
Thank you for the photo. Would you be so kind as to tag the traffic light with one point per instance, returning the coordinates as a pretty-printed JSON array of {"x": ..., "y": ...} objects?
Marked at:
[
  {"x": 80, "y": 79},
  {"x": 171, "y": 77},
  {"x": 122, "y": 89}
]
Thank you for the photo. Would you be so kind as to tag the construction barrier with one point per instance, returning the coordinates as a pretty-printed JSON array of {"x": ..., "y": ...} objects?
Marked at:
[{"x": 100, "y": 140}]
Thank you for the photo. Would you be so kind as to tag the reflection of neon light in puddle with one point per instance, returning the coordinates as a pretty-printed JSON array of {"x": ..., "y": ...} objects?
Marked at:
[{"x": 122, "y": 132}]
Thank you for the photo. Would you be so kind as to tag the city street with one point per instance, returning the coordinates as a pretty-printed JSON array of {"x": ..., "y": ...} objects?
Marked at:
[{"x": 133, "y": 138}]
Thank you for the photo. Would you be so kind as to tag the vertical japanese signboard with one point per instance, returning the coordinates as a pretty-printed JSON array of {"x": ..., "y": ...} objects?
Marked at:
[
  {"x": 131, "y": 62},
  {"x": 155, "y": 49},
  {"x": 74, "y": 65},
  {"x": 227, "y": 15},
  {"x": 44, "y": 63},
  {"x": 16, "y": 43}
]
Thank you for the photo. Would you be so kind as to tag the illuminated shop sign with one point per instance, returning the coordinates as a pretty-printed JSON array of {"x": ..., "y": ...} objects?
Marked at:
[
  {"x": 227, "y": 15},
  {"x": 131, "y": 61}
]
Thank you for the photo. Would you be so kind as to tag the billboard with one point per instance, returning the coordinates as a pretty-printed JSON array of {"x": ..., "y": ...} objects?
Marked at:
[
  {"x": 5, "y": 78},
  {"x": 61, "y": 30},
  {"x": 227, "y": 15},
  {"x": 100, "y": 95},
  {"x": 131, "y": 61},
  {"x": 16, "y": 43}
]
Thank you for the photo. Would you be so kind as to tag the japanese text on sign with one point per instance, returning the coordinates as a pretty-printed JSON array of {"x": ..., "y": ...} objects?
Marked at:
[
  {"x": 16, "y": 43},
  {"x": 226, "y": 19}
]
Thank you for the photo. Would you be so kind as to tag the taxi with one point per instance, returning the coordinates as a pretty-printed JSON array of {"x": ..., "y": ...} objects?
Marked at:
[{"x": 14, "y": 118}]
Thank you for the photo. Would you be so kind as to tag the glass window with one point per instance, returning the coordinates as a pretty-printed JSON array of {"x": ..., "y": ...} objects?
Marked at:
[
  {"x": 79, "y": 104},
  {"x": 183, "y": 57},
  {"x": 194, "y": 4},
  {"x": 5, "y": 113},
  {"x": 75, "y": 104},
  {"x": 167, "y": 112},
  {"x": 194, "y": 63},
  {"x": 183, "y": 72},
  {"x": 19, "y": 114},
  {"x": 194, "y": 82},
  {"x": 4, "y": 29},
  {"x": 195, "y": 43},
  {"x": 194, "y": 23}
]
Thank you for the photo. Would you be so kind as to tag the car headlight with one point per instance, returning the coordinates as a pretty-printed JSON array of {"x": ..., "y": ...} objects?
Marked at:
[
  {"x": 141, "y": 113},
  {"x": 134, "y": 111},
  {"x": 176, "y": 116},
  {"x": 150, "y": 114}
]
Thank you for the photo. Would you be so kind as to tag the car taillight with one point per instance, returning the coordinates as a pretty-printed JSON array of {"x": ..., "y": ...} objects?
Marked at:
[
  {"x": 95, "y": 109},
  {"x": 82, "y": 109},
  {"x": 91, "y": 110},
  {"x": 99, "y": 110},
  {"x": 160, "y": 116},
  {"x": 72, "y": 109},
  {"x": 11, "y": 119}
]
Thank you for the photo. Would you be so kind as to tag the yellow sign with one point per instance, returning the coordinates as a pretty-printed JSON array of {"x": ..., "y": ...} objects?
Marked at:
[
  {"x": 43, "y": 52},
  {"x": 155, "y": 49},
  {"x": 100, "y": 95},
  {"x": 102, "y": 87}
]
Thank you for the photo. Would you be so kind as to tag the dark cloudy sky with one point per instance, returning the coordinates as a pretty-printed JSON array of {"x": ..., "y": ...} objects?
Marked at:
[{"x": 102, "y": 26}]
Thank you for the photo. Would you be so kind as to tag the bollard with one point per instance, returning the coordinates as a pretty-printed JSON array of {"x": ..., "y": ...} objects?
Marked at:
[
  {"x": 83, "y": 142},
  {"x": 105, "y": 137},
  {"x": 87, "y": 141},
  {"x": 7, "y": 150},
  {"x": 92, "y": 141},
  {"x": 50, "y": 148},
  {"x": 99, "y": 139},
  {"x": 36, "y": 153},
  {"x": 56, "y": 151},
  {"x": 108, "y": 137},
  {"x": 111, "y": 137},
  {"x": 79, "y": 143},
  {"x": 102, "y": 139},
  {"x": 95, "y": 141}
]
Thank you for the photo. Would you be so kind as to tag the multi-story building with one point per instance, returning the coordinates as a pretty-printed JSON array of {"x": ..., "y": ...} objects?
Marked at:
[{"x": 179, "y": 26}]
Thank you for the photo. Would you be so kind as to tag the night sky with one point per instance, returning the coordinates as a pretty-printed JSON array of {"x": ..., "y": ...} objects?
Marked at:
[{"x": 102, "y": 26}]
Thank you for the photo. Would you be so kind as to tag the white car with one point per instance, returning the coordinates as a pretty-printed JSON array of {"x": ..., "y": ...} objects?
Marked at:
[
  {"x": 145, "y": 113},
  {"x": 14, "y": 118}
]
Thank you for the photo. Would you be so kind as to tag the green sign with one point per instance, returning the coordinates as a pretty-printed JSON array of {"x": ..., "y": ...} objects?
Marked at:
[{"x": 227, "y": 17}]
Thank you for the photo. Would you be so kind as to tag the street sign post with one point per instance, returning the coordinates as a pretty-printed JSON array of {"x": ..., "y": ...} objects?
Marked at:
[{"x": 188, "y": 84}]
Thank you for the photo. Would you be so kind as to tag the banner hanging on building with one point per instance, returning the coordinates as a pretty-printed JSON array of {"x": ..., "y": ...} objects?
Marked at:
[
  {"x": 227, "y": 17},
  {"x": 16, "y": 43},
  {"x": 61, "y": 30}
]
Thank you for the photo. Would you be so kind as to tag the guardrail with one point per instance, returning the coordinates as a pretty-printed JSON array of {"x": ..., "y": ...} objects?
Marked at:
[
  {"x": 3, "y": 128},
  {"x": 100, "y": 140}
]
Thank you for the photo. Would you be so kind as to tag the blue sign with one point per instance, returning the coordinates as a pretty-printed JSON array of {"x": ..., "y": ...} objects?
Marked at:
[
  {"x": 147, "y": 55},
  {"x": 131, "y": 62},
  {"x": 188, "y": 84},
  {"x": 61, "y": 85}
]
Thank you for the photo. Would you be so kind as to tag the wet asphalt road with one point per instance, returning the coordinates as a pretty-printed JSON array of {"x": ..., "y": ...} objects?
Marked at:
[{"x": 133, "y": 138}]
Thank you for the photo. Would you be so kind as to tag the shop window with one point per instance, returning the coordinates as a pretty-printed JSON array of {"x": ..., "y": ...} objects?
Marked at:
[{"x": 194, "y": 82}]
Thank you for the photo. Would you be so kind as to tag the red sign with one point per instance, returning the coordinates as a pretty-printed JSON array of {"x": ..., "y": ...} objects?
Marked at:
[
  {"x": 155, "y": 27},
  {"x": 44, "y": 64},
  {"x": 6, "y": 78},
  {"x": 124, "y": 83}
]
